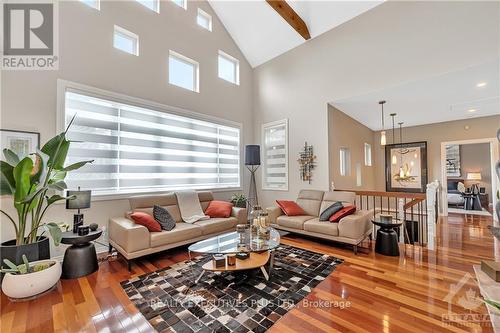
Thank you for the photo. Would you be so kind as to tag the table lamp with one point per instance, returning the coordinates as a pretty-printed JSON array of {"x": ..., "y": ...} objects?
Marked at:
[
  {"x": 78, "y": 200},
  {"x": 474, "y": 176},
  {"x": 252, "y": 162}
]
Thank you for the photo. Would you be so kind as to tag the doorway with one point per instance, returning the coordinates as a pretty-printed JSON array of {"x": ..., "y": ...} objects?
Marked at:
[{"x": 468, "y": 177}]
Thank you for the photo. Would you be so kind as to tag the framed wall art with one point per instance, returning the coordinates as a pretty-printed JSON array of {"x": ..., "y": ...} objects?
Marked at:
[{"x": 406, "y": 167}]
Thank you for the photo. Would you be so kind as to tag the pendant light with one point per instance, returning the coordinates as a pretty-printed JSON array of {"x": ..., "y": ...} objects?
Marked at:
[
  {"x": 383, "y": 139},
  {"x": 394, "y": 157}
]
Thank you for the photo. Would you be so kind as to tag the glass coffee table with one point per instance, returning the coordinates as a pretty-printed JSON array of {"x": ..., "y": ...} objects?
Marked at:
[{"x": 260, "y": 250}]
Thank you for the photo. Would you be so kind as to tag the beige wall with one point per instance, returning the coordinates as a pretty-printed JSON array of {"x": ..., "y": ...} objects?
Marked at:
[
  {"x": 434, "y": 134},
  {"x": 396, "y": 42},
  {"x": 345, "y": 132},
  {"x": 476, "y": 158},
  {"x": 87, "y": 56}
]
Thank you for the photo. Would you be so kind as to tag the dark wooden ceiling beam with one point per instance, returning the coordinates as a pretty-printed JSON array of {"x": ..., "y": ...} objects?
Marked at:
[{"x": 290, "y": 16}]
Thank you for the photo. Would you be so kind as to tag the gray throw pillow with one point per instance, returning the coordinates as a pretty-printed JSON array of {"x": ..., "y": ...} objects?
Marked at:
[
  {"x": 335, "y": 207},
  {"x": 163, "y": 217}
]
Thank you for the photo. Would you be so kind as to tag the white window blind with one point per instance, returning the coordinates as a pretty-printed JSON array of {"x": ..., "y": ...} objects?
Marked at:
[
  {"x": 275, "y": 164},
  {"x": 142, "y": 150}
]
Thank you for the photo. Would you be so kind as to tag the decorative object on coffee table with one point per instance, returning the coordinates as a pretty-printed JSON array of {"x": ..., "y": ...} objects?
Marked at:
[
  {"x": 253, "y": 301},
  {"x": 306, "y": 163},
  {"x": 93, "y": 226},
  {"x": 78, "y": 200},
  {"x": 80, "y": 259}
]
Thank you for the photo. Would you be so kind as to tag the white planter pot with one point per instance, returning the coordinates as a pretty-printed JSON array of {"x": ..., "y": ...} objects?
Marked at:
[{"x": 28, "y": 285}]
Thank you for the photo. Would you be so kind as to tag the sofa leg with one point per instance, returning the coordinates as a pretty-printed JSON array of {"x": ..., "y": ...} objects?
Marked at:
[
  {"x": 355, "y": 249},
  {"x": 129, "y": 265},
  {"x": 110, "y": 248}
]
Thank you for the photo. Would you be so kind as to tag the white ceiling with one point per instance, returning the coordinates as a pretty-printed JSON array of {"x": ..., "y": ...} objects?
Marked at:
[
  {"x": 440, "y": 98},
  {"x": 262, "y": 34}
]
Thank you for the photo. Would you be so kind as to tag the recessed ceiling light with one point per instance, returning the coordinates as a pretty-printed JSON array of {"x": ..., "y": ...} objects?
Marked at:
[
  {"x": 481, "y": 84},
  {"x": 471, "y": 110}
]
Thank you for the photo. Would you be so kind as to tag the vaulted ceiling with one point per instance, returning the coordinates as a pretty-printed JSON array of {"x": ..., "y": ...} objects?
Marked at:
[{"x": 262, "y": 34}]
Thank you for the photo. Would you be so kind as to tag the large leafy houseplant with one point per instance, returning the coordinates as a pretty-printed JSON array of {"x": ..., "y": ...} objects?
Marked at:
[{"x": 33, "y": 183}]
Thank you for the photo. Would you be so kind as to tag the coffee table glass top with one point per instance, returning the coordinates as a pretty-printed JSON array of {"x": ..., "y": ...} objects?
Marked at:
[{"x": 235, "y": 242}]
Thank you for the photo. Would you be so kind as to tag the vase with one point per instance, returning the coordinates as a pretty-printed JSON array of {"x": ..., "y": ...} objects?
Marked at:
[
  {"x": 39, "y": 250},
  {"x": 31, "y": 284}
]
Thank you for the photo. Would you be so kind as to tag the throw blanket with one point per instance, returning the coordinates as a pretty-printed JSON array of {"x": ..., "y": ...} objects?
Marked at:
[{"x": 190, "y": 207}]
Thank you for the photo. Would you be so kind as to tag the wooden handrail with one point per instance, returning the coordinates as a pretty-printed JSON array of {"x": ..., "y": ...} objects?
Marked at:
[
  {"x": 388, "y": 194},
  {"x": 412, "y": 203}
]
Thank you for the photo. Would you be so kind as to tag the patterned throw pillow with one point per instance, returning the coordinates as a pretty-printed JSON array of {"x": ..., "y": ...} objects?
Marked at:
[
  {"x": 332, "y": 209},
  {"x": 163, "y": 217}
]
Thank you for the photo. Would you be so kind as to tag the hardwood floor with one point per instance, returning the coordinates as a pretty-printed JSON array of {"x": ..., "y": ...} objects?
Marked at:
[{"x": 378, "y": 293}]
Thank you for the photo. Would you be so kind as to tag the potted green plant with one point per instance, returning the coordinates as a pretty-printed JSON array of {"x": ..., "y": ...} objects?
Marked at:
[
  {"x": 29, "y": 279},
  {"x": 239, "y": 200},
  {"x": 33, "y": 182}
]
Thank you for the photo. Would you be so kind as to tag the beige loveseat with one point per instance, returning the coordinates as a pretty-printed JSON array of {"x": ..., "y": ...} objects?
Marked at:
[
  {"x": 352, "y": 229},
  {"x": 134, "y": 240}
]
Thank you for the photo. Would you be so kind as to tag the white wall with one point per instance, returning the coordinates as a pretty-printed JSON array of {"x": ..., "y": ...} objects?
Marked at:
[
  {"x": 87, "y": 56},
  {"x": 393, "y": 43}
]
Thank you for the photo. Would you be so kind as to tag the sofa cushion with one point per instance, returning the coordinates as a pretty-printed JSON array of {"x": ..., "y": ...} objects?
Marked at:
[
  {"x": 347, "y": 210},
  {"x": 290, "y": 208},
  {"x": 293, "y": 221},
  {"x": 163, "y": 217},
  {"x": 315, "y": 225},
  {"x": 146, "y": 220},
  {"x": 217, "y": 224},
  {"x": 218, "y": 208},
  {"x": 330, "y": 210},
  {"x": 347, "y": 198},
  {"x": 310, "y": 201},
  {"x": 181, "y": 232}
]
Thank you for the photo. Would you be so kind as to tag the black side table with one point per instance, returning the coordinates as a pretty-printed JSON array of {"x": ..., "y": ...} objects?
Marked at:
[
  {"x": 387, "y": 239},
  {"x": 80, "y": 259}
]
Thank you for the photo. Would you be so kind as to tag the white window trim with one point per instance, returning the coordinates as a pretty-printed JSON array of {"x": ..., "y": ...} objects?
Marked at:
[
  {"x": 63, "y": 86},
  {"x": 207, "y": 16},
  {"x": 237, "y": 67},
  {"x": 97, "y": 6},
  {"x": 189, "y": 61},
  {"x": 129, "y": 34},
  {"x": 157, "y": 6},
  {"x": 368, "y": 158},
  {"x": 264, "y": 127},
  {"x": 184, "y": 4},
  {"x": 345, "y": 168}
]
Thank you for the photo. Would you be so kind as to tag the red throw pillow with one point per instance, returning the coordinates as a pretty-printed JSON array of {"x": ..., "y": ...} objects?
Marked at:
[
  {"x": 347, "y": 210},
  {"x": 219, "y": 209},
  {"x": 146, "y": 220},
  {"x": 290, "y": 208}
]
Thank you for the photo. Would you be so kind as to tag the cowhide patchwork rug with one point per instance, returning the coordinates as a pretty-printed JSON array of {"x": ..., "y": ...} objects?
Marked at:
[{"x": 227, "y": 302}]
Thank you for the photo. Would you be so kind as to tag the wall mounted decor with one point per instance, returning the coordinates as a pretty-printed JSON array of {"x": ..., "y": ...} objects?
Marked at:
[
  {"x": 307, "y": 163},
  {"x": 453, "y": 161},
  {"x": 406, "y": 167},
  {"x": 20, "y": 142}
]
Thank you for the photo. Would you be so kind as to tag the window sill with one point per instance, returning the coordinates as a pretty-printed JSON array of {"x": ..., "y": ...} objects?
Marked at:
[{"x": 127, "y": 195}]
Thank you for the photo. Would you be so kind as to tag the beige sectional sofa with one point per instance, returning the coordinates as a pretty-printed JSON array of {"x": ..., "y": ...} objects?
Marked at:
[
  {"x": 352, "y": 229},
  {"x": 134, "y": 240}
]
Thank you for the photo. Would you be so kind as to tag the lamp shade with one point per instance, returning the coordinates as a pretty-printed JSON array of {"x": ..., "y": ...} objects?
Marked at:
[
  {"x": 252, "y": 155},
  {"x": 79, "y": 200},
  {"x": 473, "y": 175}
]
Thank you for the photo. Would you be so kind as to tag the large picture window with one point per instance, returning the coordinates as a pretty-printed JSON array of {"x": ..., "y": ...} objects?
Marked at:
[
  {"x": 140, "y": 149},
  {"x": 275, "y": 162}
]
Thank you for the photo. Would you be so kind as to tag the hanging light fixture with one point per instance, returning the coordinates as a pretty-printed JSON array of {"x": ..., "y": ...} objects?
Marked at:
[
  {"x": 383, "y": 139},
  {"x": 394, "y": 157}
]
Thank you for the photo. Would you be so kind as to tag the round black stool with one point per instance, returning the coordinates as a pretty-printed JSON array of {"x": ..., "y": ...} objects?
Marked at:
[
  {"x": 387, "y": 239},
  {"x": 80, "y": 259}
]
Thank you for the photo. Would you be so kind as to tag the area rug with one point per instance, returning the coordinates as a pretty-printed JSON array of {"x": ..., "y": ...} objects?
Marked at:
[{"x": 227, "y": 302}]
